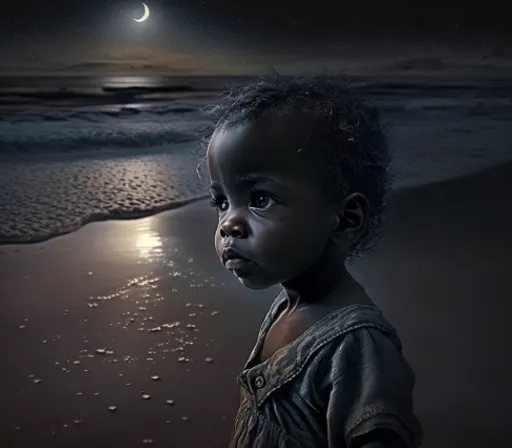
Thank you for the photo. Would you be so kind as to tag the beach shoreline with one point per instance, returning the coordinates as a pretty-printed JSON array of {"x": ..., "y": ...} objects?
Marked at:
[{"x": 124, "y": 215}]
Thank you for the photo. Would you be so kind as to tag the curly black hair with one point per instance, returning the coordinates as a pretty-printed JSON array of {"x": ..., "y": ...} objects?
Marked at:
[{"x": 349, "y": 140}]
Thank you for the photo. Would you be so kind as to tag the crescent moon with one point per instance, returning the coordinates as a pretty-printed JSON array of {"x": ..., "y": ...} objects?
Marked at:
[{"x": 145, "y": 15}]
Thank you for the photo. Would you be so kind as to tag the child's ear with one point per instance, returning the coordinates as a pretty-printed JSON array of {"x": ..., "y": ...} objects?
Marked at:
[{"x": 352, "y": 216}]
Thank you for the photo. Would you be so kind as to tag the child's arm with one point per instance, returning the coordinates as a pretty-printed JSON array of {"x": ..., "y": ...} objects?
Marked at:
[{"x": 370, "y": 399}]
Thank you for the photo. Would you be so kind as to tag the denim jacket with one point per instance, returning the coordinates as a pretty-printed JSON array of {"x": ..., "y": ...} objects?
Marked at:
[{"x": 342, "y": 378}]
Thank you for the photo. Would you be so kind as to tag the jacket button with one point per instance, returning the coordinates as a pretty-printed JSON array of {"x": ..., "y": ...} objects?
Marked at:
[{"x": 259, "y": 381}]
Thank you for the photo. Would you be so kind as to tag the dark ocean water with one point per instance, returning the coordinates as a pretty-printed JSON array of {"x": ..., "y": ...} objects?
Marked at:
[{"x": 43, "y": 115}]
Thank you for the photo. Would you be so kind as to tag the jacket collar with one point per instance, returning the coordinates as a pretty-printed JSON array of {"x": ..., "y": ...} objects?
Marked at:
[{"x": 262, "y": 379}]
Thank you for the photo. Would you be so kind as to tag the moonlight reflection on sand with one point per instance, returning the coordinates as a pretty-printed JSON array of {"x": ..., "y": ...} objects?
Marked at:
[
  {"x": 149, "y": 244},
  {"x": 138, "y": 303}
]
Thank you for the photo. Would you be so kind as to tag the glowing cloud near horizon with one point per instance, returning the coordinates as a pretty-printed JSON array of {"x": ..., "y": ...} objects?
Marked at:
[{"x": 145, "y": 15}]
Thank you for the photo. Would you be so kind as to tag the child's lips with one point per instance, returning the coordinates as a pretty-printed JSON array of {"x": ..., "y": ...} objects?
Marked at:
[
  {"x": 236, "y": 264},
  {"x": 235, "y": 261}
]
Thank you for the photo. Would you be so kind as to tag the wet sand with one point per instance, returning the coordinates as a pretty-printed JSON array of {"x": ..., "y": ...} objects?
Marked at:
[{"x": 443, "y": 276}]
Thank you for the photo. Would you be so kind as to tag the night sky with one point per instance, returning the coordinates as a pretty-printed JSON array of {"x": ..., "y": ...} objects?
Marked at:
[{"x": 245, "y": 36}]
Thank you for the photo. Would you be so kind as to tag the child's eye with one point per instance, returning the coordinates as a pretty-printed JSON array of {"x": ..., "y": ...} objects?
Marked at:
[
  {"x": 260, "y": 199},
  {"x": 220, "y": 203}
]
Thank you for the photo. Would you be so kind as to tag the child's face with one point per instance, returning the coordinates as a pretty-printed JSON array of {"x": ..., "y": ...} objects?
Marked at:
[{"x": 270, "y": 211}]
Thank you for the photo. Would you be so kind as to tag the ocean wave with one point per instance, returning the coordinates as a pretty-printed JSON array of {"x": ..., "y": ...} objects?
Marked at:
[
  {"x": 95, "y": 115},
  {"x": 413, "y": 89},
  {"x": 83, "y": 139},
  {"x": 126, "y": 128},
  {"x": 108, "y": 93},
  {"x": 122, "y": 128}
]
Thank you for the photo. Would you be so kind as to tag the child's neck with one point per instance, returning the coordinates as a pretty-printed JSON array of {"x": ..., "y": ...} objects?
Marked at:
[{"x": 326, "y": 283}]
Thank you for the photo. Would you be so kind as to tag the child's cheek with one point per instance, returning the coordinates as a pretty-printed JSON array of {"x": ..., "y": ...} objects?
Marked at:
[{"x": 218, "y": 241}]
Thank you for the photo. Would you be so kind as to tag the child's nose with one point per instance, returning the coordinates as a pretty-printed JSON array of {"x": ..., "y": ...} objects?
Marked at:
[{"x": 234, "y": 228}]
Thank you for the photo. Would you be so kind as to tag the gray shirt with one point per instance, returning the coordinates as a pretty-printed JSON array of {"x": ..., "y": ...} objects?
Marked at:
[{"x": 342, "y": 378}]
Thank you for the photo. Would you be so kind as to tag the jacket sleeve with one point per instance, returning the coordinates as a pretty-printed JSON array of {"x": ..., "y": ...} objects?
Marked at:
[{"x": 371, "y": 387}]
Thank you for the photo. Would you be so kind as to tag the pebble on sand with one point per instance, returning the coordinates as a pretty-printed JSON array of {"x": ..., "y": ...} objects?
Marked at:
[{"x": 146, "y": 396}]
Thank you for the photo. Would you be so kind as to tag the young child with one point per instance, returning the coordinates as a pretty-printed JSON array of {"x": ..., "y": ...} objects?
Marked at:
[{"x": 299, "y": 172}]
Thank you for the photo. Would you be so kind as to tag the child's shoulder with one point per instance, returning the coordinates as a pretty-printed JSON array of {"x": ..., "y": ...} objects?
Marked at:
[
  {"x": 357, "y": 328},
  {"x": 344, "y": 320}
]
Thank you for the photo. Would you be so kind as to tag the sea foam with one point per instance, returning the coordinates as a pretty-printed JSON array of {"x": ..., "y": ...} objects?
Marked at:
[{"x": 40, "y": 200}]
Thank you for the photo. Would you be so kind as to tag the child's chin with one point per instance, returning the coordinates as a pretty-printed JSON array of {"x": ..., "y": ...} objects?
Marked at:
[{"x": 255, "y": 283}]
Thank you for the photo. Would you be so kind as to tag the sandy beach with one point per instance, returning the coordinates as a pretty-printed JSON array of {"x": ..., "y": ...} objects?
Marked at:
[{"x": 130, "y": 332}]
